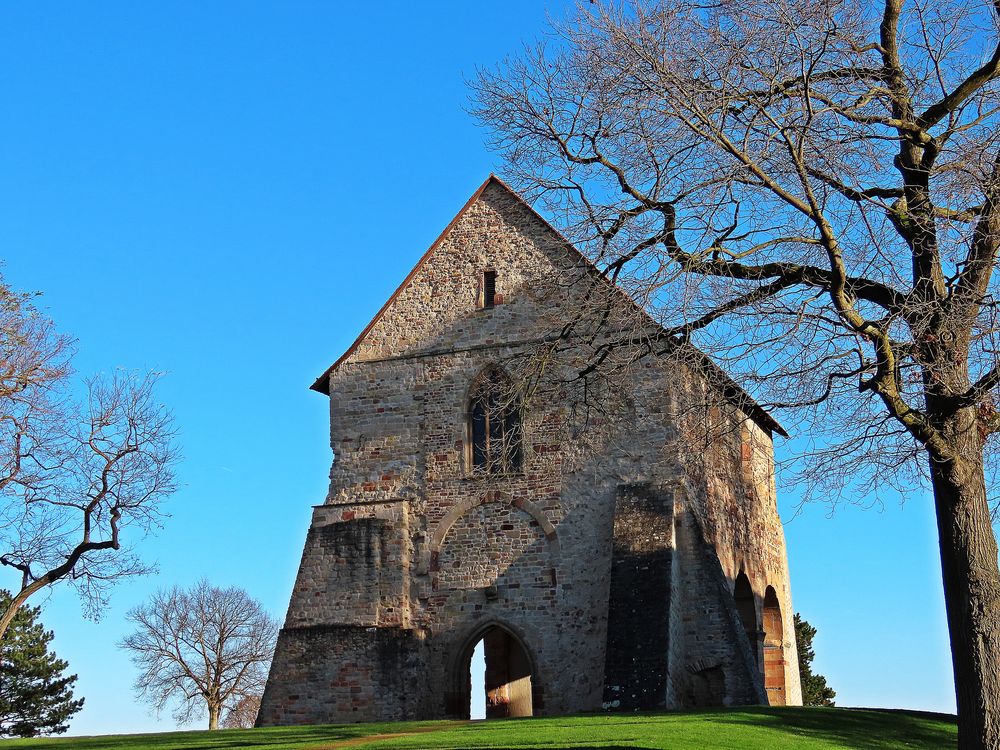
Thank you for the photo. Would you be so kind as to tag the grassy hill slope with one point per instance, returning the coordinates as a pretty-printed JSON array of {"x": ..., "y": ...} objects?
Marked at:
[{"x": 743, "y": 729}]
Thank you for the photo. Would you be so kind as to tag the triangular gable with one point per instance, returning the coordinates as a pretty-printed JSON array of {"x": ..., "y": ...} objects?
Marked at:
[
  {"x": 731, "y": 390},
  {"x": 322, "y": 383}
]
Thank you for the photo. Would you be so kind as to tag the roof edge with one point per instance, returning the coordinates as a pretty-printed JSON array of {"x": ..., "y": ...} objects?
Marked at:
[
  {"x": 730, "y": 387},
  {"x": 322, "y": 384}
]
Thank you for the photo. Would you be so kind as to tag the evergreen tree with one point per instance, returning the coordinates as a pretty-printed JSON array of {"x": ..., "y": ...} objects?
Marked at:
[
  {"x": 35, "y": 698},
  {"x": 815, "y": 691}
]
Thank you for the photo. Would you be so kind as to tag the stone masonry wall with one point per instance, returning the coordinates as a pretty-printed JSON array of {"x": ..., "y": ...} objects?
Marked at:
[
  {"x": 731, "y": 477},
  {"x": 638, "y": 630},
  {"x": 354, "y": 567},
  {"x": 350, "y": 672},
  {"x": 413, "y": 555},
  {"x": 710, "y": 657}
]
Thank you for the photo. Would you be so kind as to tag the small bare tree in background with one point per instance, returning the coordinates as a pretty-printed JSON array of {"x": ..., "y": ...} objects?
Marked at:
[
  {"x": 80, "y": 484},
  {"x": 810, "y": 192},
  {"x": 203, "y": 647},
  {"x": 243, "y": 715}
]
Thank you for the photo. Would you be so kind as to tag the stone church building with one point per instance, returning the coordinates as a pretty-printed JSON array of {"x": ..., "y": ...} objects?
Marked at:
[{"x": 608, "y": 559}]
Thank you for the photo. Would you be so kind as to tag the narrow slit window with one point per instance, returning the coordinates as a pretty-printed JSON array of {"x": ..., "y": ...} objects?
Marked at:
[{"x": 489, "y": 288}]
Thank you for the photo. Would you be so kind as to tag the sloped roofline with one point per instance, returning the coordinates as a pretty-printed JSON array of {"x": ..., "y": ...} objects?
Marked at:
[
  {"x": 730, "y": 388},
  {"x": 322, "y": 383}
]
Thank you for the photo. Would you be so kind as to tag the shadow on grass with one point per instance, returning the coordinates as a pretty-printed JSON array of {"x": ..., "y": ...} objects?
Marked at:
[
  {"x": 199, "y": 740},
  {"x": 717, "y": 728},
  {"x": 855, "y": 728},
  {"x": 878, "y": 729}
]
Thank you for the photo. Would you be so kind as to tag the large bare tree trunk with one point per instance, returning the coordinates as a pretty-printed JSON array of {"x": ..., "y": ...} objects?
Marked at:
[
  {"x": 971, "y": 585},
  {"x": 213, "y": 715},
  {"x": 898, "y": 180}
]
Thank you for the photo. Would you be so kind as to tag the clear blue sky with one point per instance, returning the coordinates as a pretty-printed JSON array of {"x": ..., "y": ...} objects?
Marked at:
[{"x": 228, "y": 192}]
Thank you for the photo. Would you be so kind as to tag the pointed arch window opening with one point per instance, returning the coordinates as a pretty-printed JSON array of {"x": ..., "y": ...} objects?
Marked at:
[{"x": 495, "y": 426}]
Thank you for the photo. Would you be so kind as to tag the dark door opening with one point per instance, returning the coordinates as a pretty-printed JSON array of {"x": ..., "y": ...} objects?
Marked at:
[{"x": 505, "y": 678}]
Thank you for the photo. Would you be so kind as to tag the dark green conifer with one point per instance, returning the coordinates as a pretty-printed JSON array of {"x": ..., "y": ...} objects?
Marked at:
[
  {"x": 35, "y": 697},
  {"x": 815, "y": 691}
]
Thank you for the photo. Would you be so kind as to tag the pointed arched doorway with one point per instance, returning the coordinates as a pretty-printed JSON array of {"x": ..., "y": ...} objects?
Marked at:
[{"x": 507, "y": 678}]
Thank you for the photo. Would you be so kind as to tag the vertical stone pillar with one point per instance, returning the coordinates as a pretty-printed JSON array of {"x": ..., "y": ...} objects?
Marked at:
[{"x": 635, "y": 670}]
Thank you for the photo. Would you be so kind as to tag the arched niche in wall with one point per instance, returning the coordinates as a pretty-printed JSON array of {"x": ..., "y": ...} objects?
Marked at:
[
  {"x": 747, "y": 609},
  {"x": 476, "y": 531},
  {"x": 774, "y": 649}
]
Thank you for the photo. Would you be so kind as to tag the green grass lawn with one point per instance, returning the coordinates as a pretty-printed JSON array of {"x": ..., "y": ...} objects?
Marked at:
[{"x": 743, "y": 729}]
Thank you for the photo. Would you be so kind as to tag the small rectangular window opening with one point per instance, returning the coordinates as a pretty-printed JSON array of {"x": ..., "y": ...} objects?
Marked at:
[{"x": 489, "y": 288}]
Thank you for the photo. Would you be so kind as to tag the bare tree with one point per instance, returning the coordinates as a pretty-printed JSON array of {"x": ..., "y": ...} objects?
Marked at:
[
  {"x": 78, "y": 482},
  {"x": 205, "y": 646},
  {"x": 810, "y": 191},
  {"x": 243, "y": 715}
]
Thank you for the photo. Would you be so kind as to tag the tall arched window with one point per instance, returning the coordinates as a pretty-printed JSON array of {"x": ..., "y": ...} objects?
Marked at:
[{"x": 494, "y": 424}]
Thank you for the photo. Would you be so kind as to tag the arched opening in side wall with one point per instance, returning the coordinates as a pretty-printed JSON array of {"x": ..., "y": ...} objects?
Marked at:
[
  {"x": 774, "y": 649},
  {"x": 747, "y": 610},
  {"x": 498, "y": 670},
  {"x": 477, "y": 676}
]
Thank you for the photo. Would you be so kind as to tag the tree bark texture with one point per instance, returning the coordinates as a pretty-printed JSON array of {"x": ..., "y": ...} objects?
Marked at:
[
  {"x": 213, "y": 715},
  {"x": 971, "y": 585}
]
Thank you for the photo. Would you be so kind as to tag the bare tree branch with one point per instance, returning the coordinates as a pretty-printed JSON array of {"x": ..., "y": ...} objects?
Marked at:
[
  {"x": 792, "y": 186},
  {"x": 74, "y": 480}
]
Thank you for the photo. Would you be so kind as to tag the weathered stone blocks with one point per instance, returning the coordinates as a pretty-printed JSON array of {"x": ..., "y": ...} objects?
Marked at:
[{"x": 604, "y": 565}]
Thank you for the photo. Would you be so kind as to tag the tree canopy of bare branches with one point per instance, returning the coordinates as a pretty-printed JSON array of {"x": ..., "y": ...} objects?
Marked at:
[
  {"x": 203, "y": 647},
  {"x": 243, "y": 715},
  {"x": 80, "y": 483},
  {"x": 810, "y": 192}
]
